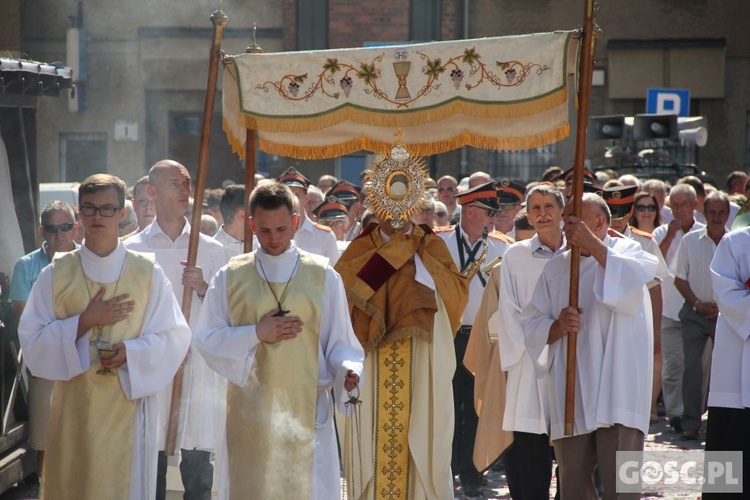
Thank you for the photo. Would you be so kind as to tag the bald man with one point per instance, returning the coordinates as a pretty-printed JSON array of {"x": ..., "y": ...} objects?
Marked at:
[{"x": 204, "y": 391}]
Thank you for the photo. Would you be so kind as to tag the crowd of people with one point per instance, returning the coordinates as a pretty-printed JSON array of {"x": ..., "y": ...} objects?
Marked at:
[{"x": 440, "y": 340}]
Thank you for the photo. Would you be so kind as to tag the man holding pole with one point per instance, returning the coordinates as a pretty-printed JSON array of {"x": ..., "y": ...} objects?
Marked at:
[
  {"x": 201, "y": 423},
  {"x": 614, "y": 349}
]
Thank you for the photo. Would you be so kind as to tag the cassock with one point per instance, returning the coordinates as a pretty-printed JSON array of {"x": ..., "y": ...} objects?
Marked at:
[
  {"x": 615, "y": 342},
  {"x": 482, "y": 359},
  {"x": 154, "y": 353},
  {"x": 203, "y": 392},
  {"x": 231, "y": 350}
]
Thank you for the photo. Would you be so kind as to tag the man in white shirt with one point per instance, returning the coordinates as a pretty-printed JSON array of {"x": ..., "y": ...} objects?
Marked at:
[
  {"x": 699, "y": 312},
  {"x": 614, "y": 349},
  {"x": 446, "y": 191},
  {"x": 200, "y": 429},
  {"x": 310, "y": 236},
  {"x": 668, "y": 236},
  {"x": 729, "y": 394},
  {"x": 232, "y": 232},
  {"x": 528, "y": 462}
]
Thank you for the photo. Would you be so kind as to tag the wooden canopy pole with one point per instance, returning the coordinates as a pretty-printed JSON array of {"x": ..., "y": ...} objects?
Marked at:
[
  {"x": 586, "y": 69},
  {"x": 219, "y": 19},
  {"x": 253, "y": 48}
]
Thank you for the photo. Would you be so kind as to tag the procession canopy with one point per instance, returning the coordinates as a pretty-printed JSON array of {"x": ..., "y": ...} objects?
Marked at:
[{"x": 494, "y": 93}]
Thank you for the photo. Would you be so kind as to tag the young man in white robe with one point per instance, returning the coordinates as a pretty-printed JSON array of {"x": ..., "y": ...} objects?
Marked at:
[
  {"x": 104, "y": 412},
  {"x": 614, "y": 348},
  {"x": 275, "y": 324}
]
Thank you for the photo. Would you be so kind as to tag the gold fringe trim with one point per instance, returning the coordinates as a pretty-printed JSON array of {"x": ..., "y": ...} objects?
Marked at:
[
  {"x": 238, "y": 146},
  {"x": 407, "y": 117},
  {"x": 422, "y": 149}
]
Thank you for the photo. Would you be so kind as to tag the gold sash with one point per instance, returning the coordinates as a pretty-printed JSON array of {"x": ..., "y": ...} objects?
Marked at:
[
  {"x": 271, "y": 421},
  {"x": 92, "y": 423}
]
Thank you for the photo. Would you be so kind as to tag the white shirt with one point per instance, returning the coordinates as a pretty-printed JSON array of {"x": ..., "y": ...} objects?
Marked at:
[
  {"x": 672, "y": 298},
  {"x": 692, "y": 263},
  {"x": 232, "y": 245},
  {"x": 202, "y": 424},
  {"x": 650, "y": 246},
  {"x": 526, "y": 400},
  {"x": 52, "y": 351},
  {"x": 495, "y": 248},
  {"x": 730, "y": 368},
  {"x": 615, "y": 344},
  {"x": 314, "y": 239}
]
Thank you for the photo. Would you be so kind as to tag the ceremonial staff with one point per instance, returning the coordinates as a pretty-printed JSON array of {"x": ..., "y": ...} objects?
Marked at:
[
  {"x": 584, "y": 101},
  {"x": 253, "y": 48},
  {"x": 219, "y": 19}
]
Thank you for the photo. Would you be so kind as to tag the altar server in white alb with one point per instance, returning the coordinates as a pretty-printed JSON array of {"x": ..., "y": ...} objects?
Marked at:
[
  {"x": 528, "y": 462},
  {"x": 104, "y": 413},
  {"x": 614, "y": 350},
  {"x": 275, "y": 323},
  {"x": 729, "y": 393},
  {"x": 200, "y": 429}
]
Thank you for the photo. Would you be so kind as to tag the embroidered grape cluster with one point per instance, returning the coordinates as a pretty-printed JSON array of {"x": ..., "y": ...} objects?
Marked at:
[
  {"x": 510, "y": 75},
  {"x": 293, "y": 88},
  {"x": 346, "y": 85},
  {"x": 457, "y": 75}
]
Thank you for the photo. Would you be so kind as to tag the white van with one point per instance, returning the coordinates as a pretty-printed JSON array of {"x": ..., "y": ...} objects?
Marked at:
[{"x": 63, "y": 191}]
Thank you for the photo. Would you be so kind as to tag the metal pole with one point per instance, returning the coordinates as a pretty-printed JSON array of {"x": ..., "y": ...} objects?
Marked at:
[
  {"x": 584, "y": 101},
  {"x": 219, "y": 19}
]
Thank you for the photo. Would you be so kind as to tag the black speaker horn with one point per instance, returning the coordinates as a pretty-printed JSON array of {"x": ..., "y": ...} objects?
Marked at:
[
  {"x": 606, "y": 127},
  {"x": 650, "y": 127}
]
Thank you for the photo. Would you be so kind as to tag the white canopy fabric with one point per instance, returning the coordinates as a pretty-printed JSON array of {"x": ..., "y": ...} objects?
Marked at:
[{"x": 494, "y": 93}]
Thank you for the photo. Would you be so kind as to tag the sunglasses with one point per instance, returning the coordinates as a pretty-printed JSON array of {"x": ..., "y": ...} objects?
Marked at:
[
  {"x": 332, "y": 221},
  {"x": 54, "y": 229},
  {"x": 646, "y": 208},
  {"x": 441, "y": 214}
]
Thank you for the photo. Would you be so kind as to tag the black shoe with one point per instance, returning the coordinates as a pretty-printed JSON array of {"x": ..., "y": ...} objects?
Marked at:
[{"x": 676, "y": 423}]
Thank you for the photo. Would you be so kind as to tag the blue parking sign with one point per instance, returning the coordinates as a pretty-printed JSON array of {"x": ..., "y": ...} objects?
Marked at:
[{"x": 668, "y": 102}]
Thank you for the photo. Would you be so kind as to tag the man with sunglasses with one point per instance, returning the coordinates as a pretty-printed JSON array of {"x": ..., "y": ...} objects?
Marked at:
[
  {"x": 466, "y": 243},
  {"x": 447, "y": 190},
  {"x": 56, "y": 229}
]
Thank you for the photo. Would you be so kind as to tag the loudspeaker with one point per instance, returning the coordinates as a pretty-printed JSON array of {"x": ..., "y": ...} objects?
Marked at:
[
  {"x": 697, "y": 136},
  {"x": 606, "y": 127},
  {"x": 650, "y": 127}
]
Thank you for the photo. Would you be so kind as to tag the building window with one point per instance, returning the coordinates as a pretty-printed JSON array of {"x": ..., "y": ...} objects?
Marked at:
[
  {"x": 82, "y": 155},
  {"x": 312, "y": 24},
  {"x": 524, "y": 165},
  {"x": 424, "y": 21}
]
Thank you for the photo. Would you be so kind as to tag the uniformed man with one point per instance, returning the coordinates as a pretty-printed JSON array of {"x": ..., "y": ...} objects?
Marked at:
[
  {"x": 351, "y": 196},
  {"x": 509, "y": 195}
]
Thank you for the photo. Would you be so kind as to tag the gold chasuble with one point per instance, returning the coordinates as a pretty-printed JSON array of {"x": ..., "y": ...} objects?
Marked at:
[
  {"x": 393, "y": 316},
  {"x": 271, "y": 421},
  {"x": 92, "y": 423}
]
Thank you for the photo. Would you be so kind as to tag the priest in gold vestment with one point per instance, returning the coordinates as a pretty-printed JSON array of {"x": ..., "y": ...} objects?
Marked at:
[
  {"x": 405, "y": 298},
  {"x": 103, "y": 415},
  {"x": 275, "y": 324}
]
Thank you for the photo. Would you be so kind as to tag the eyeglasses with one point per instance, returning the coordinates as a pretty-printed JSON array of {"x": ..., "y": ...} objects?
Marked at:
[
  {"x": 144, "y": 202},
  {"x": 54, "y": 229},
  {"x": 646, "y": 208},
  {"x": 332, "y": 221},
  {"x": 449, "y": 189},
  {"x": 105, "y": 211}
]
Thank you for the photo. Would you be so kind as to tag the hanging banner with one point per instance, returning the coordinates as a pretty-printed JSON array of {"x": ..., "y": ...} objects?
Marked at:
[{"x": 493, "y": 93}]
